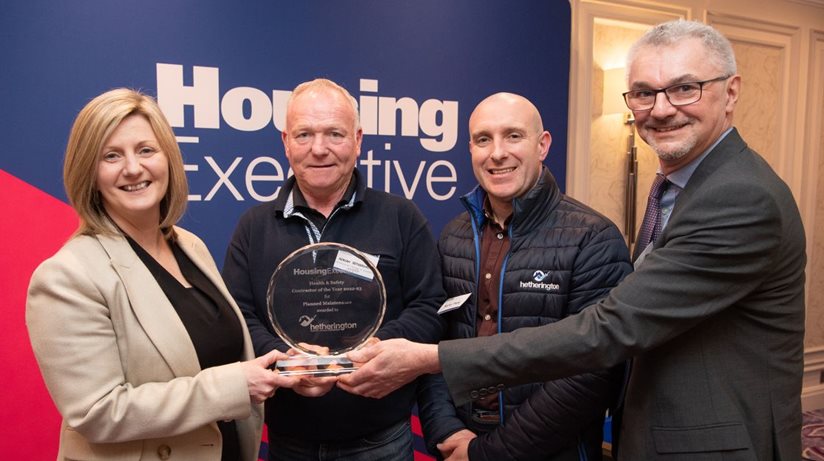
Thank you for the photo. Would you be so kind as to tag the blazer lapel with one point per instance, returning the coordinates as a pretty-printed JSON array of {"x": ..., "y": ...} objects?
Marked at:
[
  {"x": 151, "y": 307},
  {"x": 724, "y": 152}
]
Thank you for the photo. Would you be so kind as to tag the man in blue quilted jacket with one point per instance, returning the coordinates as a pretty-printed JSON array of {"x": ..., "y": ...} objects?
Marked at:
[{"x": 526, "y": 255}]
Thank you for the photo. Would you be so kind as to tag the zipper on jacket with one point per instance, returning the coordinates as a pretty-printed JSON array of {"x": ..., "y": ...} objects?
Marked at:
[
  {"x": 477, "y": 232},
  {"x": 312, "y": 232},
  {"x": 500, "y": 315}
]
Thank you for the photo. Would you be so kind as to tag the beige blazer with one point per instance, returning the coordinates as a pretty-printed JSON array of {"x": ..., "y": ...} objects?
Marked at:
[{"x": 119, "y": 363}]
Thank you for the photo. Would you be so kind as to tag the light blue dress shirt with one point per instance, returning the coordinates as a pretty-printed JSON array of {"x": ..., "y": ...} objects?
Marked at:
[{"x": 678, "y": 181}]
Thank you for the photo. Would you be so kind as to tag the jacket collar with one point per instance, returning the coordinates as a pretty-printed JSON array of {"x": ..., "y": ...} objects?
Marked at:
[
  {"x": 528, "y": 211},
  {"x": 150, "y": 305},
  {"x": 284, "y": 202},
  {"x": 723, "y": 152}
]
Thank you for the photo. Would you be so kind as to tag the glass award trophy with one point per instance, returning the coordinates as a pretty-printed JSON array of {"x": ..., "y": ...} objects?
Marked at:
[{"x": 326, "y": 295}]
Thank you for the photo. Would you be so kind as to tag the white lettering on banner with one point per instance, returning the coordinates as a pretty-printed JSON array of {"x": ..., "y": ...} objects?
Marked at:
[
  {"x": 223, "y": 178},
  {"x": 251, "y": 178},
  {"x": 434, "y": 122},
  {"x": 231, "y": 106},
  {"x": 378, "y": 114},
  {"x": 263, "y": 177},
  {"x": 203, "y": 95}
]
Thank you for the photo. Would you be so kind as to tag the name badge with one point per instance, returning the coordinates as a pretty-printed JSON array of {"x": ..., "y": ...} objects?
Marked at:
[
  {"x": 453, "y": 303},
  {"x": 348, "y": 263}
]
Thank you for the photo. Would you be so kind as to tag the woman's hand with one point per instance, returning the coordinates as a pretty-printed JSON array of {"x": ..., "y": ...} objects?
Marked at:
[{"x": 262, "y": 381}]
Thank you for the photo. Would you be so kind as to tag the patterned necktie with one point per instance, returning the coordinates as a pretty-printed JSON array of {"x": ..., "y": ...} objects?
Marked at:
[{"x": 651, "y": 226}]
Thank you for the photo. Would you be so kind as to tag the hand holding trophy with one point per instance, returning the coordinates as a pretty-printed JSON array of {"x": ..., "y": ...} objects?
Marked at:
[{"x": 324, "y": 300}]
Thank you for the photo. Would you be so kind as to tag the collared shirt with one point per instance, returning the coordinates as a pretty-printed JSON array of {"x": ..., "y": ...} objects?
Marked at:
[
  {"x": 678, "y": 181},
  {"x": 317, "y": 218},
  {"x": 494, "y": 248}
]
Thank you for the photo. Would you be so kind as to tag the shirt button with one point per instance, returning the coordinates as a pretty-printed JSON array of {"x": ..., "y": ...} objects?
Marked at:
[
  {"x": 488, "y": 276},
  {"x": 487, "y": 317},
  {"x": 500, "y": 235}
]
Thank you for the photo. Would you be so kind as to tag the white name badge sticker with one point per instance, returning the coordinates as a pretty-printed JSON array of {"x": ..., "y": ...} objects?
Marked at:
[
  {"x": 347, "y": 262},
  {"x": 453, "y": 303}
]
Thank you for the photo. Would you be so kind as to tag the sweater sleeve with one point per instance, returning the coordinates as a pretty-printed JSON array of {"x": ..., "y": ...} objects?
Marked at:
[
  {"x": 238, "y": 277},
  {"x": 436, "y": 411},
  {"x": 421, "y": 284}
]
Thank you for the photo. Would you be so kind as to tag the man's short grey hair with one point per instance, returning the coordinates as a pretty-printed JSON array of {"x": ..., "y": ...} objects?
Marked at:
[
  {"x": 324, "y": 83},
  {"x": 669, "y": 33}
]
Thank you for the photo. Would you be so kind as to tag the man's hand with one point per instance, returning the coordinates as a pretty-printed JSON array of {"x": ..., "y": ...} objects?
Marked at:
[
  {"x": 314, "y": 386},
  {"x": 456, "y": 446},
  {"x": 308, "y": 385},
  {"x": 388, "y": 365}
]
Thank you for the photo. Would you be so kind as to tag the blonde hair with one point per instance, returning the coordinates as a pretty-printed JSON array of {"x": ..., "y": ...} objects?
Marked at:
[{"x": 92, "y": 127}]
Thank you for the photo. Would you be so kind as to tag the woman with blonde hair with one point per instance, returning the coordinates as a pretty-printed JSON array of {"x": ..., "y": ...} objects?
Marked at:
[{"x": 142, "y": 348}]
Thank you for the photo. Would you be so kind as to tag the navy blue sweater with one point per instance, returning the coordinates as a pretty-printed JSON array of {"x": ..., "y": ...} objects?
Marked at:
[{"x": 374, "y": 222}]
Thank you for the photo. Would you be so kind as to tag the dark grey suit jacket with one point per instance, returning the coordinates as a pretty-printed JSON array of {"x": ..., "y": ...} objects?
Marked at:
[{"x": 714, "y": 319}]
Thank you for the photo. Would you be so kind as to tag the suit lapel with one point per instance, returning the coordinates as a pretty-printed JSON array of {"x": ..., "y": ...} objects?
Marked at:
[
  {"x": 151, "y": 307},
  {"x": 724, "y": 152}
]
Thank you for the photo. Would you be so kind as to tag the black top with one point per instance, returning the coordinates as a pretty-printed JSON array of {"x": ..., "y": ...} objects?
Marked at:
[{"x": 213, "y": 327}]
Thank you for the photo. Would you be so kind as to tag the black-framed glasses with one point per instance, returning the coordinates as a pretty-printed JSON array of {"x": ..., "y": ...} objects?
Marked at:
[{"x": 680, "y": 94}]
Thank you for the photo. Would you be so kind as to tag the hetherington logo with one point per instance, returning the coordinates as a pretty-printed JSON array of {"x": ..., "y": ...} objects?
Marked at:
[
  {"x": 306, "y": 321},
  {"x": 539, "y": 276},
  {"x": 434, "y": 122},
  {"x": 538, "y": 283}
]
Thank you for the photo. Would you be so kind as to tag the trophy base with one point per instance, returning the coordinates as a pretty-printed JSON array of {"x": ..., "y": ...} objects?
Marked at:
[{"x": 315, "y": 365}]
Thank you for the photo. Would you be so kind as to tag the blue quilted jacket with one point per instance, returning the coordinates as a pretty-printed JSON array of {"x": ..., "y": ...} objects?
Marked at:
[{"x": 564, "y": 256}]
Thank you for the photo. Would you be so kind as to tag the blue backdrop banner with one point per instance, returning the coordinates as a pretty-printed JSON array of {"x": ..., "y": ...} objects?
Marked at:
[{"x": 222, "y": 72}]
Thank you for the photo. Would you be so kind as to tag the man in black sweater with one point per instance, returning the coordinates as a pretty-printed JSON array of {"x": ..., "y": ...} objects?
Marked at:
[{"x": 327, "y": 200}]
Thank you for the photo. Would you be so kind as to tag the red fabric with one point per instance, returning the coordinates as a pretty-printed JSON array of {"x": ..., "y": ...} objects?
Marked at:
[{"x": 33, "y": 226}]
